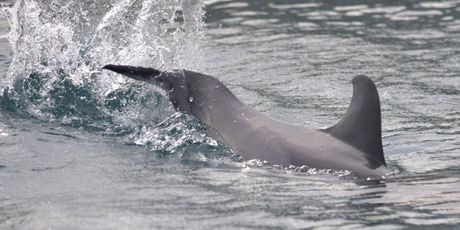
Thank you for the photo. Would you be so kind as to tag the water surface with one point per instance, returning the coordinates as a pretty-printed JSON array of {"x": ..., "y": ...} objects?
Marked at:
[{"x": 81, "y": 148}]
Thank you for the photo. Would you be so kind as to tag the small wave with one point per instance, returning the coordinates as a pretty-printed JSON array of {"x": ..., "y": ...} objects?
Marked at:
[
  {"x": 292, "y": 169},
  {"x": 181, "y": 136},
  {"x": 58, "y": 50}
]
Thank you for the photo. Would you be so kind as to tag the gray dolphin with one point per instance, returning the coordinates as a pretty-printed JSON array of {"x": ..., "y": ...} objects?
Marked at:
[{"x": 354, "y": 143}]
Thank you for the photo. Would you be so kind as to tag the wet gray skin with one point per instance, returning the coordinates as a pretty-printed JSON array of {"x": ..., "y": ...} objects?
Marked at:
[{"x": 353, "y": 144}]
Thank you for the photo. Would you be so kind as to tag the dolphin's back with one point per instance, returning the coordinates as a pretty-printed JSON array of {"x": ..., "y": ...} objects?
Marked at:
[{"x": 256, "y": 136}]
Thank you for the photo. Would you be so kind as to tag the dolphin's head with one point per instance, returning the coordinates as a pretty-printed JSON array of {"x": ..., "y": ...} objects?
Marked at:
[
  {"x": 166, "y": 80},
  {"x": 173, "y": 82}
]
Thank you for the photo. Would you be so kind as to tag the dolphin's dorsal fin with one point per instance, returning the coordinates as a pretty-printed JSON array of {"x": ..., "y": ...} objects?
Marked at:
[{"x": 361, "y": 125}]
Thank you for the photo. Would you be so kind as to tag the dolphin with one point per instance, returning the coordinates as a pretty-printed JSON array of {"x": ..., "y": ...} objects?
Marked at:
[{"x": 353, "y": 144}]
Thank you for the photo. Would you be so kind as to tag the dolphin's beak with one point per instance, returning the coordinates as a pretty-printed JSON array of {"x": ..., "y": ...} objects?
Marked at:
[{"x": 137, "y": 73}]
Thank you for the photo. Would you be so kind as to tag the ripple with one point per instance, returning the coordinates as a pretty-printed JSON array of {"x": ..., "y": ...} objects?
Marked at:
[
  {"x": 439, "y": 5},
  {"x": 294, "y": 6},
  {"x": 231, "y": 5},
  {"x": 292, "y": 60},
  {"x": 351, "y": 8}
]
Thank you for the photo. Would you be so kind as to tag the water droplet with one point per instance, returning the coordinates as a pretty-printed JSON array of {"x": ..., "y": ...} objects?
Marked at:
[{"x": 212, "y": 142}]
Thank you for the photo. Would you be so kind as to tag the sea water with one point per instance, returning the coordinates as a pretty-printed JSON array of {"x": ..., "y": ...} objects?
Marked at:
[{"x": 82, "y": 148}]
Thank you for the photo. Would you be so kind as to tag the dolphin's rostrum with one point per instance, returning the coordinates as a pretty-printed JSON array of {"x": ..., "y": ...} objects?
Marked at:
[{"x": 354, "y": 143}]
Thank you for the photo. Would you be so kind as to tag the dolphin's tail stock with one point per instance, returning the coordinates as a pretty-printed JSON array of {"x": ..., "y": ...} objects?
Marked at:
[{"x": 137, "y": 73}]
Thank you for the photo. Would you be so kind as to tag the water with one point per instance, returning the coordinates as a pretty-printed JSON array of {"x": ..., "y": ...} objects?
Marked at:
[{"x": 85, "y": 149}]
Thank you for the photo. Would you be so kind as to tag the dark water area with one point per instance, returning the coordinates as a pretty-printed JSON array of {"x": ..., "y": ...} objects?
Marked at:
[{"x": 86, "y": 149}]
